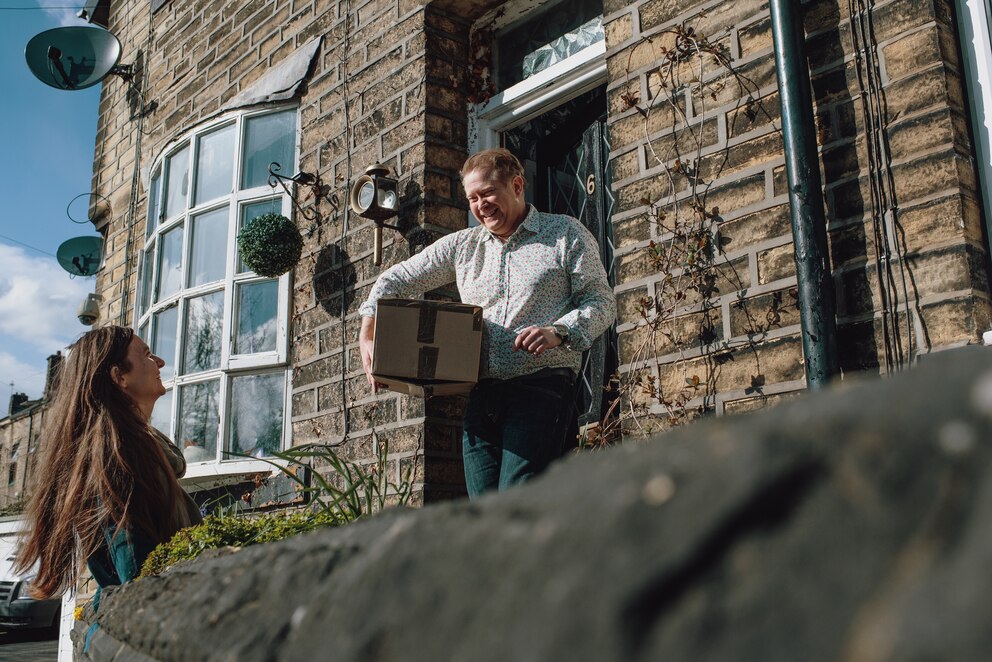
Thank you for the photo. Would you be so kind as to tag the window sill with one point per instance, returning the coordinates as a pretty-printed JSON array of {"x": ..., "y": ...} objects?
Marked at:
[{"x": 208, "y": 475}]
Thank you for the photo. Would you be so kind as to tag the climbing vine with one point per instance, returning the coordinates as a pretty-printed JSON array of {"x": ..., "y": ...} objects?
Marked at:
[{"x": 679, "y": 328}]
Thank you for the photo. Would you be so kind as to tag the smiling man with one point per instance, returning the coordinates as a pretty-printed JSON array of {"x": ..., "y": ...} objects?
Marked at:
[{"x": 545, "y": 298}]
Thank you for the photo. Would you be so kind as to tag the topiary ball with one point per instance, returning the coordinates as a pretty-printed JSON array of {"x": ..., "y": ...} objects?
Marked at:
[{"x": 270, "y": 245}]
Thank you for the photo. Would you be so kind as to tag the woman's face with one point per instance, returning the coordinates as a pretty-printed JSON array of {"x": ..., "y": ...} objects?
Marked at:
[{"x": 142, "y": 382}]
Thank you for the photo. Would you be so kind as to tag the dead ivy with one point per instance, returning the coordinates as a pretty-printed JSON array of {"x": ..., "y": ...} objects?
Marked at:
[
  {"x": 689, "y": 253},
  {"x": 479, "y": 80}
]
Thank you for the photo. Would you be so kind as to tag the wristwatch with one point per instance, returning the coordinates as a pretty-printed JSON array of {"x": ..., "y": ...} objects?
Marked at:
[{"x": 562, "y": 332}]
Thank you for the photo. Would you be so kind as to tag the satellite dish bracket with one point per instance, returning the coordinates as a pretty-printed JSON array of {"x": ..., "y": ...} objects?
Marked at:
[{"x": 125, "y": 71}]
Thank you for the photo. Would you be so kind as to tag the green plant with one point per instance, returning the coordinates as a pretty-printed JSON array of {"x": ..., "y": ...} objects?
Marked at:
[
  {"x": 270, "y": 245},
  {"x": 349, "y": 491},
  {"x": 352, "y": 490},
  {"x": 217, "y": 532}
]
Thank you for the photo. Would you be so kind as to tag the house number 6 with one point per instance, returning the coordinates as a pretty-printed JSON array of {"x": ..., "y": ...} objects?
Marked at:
[{"x": 591, "y": 184}]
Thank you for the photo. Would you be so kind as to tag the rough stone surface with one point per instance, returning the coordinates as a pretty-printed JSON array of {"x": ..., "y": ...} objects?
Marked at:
[{"x": 849, "y": 524}]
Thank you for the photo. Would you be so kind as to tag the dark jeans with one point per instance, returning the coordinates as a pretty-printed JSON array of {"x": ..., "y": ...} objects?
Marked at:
[{"x": 514, "y": 428}]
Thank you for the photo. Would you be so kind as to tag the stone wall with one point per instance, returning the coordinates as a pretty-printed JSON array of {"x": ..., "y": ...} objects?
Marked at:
[
  {"x": 22, "y": 431},
  {"x": 750, "y": 320},
  {"x": 850, "y": 524}
]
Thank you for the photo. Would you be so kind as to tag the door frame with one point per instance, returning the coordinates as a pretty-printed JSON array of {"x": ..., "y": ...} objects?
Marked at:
[
  {"x": 561, "y": 82},
  {"x": 582, "y": 72}
]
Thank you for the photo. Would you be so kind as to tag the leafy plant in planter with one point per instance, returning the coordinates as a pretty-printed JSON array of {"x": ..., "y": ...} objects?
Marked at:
[
  {"x": 270, "y": 245},
  {"x": 344, "y": 491}
]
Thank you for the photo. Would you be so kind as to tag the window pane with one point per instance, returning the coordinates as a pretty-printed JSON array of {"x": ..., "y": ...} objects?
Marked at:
[
  {"x": 204, "y": 325},
  {"x": 548, "y": 38},
  {"x": 214, "y": 165},
  {"x": 170, "y": 263},
  {"x": 251, "y": 211},
  {"x": 153, "y": 204},
  {"x": 146, "y": 282},
  {"x": 163, "y": 344},
  {"x": 208, "y": 252},
  {"x": 268, "y": 138},
  {"x": 143, "y": 332},
  {"x": 162, "y": 414},
  {"x": 177, "y": 182},
  {"x": 257, "y": 316},
  {"x": 256, "y": 414},
  {"x": 199, "y": 420}
]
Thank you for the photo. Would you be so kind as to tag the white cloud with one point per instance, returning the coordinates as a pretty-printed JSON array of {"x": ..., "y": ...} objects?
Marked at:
[
  {"x": 65, "y": 17},
  {"x": 26, "y": 378},
  {"x": 38, "y": 300}
]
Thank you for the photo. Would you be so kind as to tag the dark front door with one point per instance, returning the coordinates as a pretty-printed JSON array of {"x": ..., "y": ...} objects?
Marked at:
[{"x": 565, "y": 152}]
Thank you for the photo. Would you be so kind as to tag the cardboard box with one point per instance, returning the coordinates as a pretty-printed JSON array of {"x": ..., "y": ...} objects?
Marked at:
[{"x": 427, "y": 347}]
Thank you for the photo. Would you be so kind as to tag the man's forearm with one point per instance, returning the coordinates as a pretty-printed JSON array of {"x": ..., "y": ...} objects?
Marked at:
[
  {"x": 368, "y": 328},
  {"x": 366, "y": 341}
]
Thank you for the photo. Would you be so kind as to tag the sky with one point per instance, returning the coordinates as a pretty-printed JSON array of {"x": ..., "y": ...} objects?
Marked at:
[{"x": 47, "y": 138}]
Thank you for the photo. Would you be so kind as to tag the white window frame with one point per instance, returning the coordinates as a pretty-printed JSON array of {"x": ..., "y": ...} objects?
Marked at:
[
  {"x": 231, "y": 365},
  {"x": 522, "y": 102}
]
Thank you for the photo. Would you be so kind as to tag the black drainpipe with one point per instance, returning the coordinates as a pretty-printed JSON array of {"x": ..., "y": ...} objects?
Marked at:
[{"x": 809, "y": 228}]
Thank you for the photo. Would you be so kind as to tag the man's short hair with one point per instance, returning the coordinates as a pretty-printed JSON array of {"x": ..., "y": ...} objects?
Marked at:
[{"x": 499, "y": 164}]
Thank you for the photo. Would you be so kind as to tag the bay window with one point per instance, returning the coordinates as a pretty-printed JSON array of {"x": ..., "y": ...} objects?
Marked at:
[{"x": 220, "y": 328}]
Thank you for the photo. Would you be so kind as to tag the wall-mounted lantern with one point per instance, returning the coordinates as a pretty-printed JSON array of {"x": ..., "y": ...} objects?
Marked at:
[{"x": 376, "y": 197}]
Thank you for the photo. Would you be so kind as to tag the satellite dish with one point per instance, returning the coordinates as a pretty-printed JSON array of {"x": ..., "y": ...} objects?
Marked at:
[
  {"x": 80, "y": 256},
  {"x": 73, "y": 58}
]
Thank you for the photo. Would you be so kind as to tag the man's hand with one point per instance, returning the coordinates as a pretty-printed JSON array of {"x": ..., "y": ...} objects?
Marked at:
[
  {"x": 536, "y": 339},
  {"x": 366, "y": 341}
]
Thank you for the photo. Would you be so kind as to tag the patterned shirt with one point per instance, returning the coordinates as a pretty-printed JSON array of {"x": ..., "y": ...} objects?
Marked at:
[{"x": 548, "y": 272}]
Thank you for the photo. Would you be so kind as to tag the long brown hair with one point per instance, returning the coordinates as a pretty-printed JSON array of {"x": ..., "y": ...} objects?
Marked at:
[{"x": 102, "y": 467}]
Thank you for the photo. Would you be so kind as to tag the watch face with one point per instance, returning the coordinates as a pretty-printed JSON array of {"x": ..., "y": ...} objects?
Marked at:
[
  {"x": 366, "y": 195},
  {"x": 387, "y": 199}
]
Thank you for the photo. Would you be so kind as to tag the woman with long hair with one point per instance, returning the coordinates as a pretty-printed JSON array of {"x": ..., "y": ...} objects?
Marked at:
[{"x": 107, "y": 490}]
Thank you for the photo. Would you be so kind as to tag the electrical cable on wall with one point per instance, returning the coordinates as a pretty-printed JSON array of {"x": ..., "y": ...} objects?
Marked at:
[
  {"x": 889, "y": 243},
  {"x": 133, "y": 200},
  {"x": 346, "y": 427}
]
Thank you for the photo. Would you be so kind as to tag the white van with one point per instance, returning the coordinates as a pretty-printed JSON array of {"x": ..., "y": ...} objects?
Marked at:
[{"x": 18, "y": 610}]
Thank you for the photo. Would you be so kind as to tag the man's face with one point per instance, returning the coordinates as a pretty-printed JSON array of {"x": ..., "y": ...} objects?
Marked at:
[{"x": 499, "y": 206}]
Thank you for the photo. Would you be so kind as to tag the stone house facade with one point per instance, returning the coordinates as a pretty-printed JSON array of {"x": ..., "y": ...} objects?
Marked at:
[
  {"x": 20, "y": 436},
  {"x": 22, "y": 441},
  {"x": 656, "y": 121}
]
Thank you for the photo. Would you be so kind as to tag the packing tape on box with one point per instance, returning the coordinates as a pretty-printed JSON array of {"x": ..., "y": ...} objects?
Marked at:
[
  {"x": 426, "y": 323},
  {"x": 427, "y": 362}
]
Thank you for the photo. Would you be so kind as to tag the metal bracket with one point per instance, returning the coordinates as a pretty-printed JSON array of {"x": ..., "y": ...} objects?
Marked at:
[
  {"x": 318, "y": 191},
  {"x": 125, "y": 71},
  {"x": 383, "y": 224}
]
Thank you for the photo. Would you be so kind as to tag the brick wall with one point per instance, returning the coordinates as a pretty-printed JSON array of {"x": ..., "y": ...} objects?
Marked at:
[
  {"x": 741, "y": 164},
  {"x": 391, "y": 83},
  {"x": 380, "y": 90}
]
